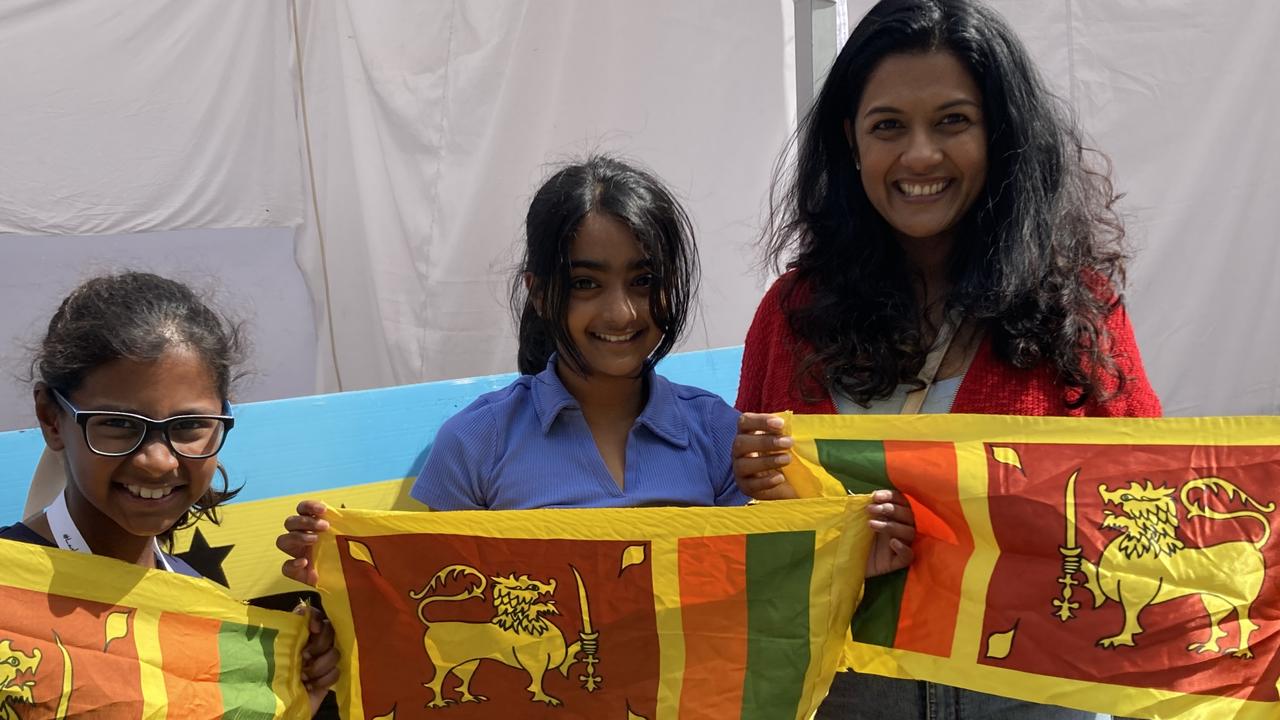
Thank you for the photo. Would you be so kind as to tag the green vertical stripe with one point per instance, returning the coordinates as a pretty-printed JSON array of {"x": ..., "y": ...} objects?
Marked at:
[
  {"x": 859, "y": 465},
  {"x": 247, "y": 656},
  {"x": 779, "y": 572}
]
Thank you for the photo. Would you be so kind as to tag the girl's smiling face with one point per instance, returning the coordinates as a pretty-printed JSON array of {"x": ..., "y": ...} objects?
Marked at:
[
  {"x": 919, "y": 137},
  {"x": 610, "y": 283},
  {"x": 117, "y": 500}
]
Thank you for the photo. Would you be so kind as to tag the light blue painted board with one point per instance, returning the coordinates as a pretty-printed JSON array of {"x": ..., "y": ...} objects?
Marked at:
[{"x": 318, "y": 442}]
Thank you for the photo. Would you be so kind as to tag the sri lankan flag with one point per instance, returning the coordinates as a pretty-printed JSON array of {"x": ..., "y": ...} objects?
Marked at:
[
  {"x": 620, "y": 613},
  {"x": 84, "y": 636},
  {"x": 1113, "y": 565}
]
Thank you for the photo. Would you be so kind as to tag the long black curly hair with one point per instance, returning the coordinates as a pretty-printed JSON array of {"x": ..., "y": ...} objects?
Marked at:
[{"x": 1038, "y": 259}]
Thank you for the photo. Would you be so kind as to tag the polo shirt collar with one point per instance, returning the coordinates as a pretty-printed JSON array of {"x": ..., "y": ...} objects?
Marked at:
[
  {"x": 661, "y": 414},
  {"x": 550, "y": 396}
]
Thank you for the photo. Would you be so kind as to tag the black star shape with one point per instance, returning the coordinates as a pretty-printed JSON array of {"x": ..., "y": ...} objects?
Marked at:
[{"x": 206, "y": 559}]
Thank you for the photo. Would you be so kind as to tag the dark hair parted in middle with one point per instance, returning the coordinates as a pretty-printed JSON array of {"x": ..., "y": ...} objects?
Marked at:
[
  {"x": 1037, "y": 260},
  {"x": 636, "y": 198}
]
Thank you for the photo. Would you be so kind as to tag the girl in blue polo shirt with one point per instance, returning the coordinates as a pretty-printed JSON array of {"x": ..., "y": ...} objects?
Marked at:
[
  {"x": 607, "y": 281},
  {"x": 605, "y": 289}
]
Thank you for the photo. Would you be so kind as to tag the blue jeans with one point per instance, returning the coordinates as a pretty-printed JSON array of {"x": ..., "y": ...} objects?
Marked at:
[{"x": 855, "y": 696}]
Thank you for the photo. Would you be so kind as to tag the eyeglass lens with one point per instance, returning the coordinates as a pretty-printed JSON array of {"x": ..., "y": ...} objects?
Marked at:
[{"x": 193, "y": 437}]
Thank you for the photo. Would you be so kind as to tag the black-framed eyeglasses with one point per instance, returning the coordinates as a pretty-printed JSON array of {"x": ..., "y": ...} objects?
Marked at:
[{"x": 116, "y": 434}]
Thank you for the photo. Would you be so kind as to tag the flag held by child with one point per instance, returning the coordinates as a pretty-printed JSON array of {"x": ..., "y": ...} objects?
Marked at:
[
  {"x": 85, "y": 635},
  {"x": 633, "y": 613}
]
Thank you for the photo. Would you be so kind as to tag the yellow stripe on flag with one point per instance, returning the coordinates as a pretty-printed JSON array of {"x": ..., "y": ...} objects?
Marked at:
[
  {"x": 665, "y": 557},
  {"x": 146, "y": 635}
]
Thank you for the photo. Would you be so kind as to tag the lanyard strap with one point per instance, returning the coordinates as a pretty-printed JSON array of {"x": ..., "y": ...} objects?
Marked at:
[
  {"x": 68, "y": 536},
  {"x": 915, "y": 399},
  {"x": 64, "y": 529}
]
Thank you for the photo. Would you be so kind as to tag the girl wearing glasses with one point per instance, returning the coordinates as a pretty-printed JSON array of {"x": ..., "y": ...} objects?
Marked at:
[{"x": 132, "y": 381}]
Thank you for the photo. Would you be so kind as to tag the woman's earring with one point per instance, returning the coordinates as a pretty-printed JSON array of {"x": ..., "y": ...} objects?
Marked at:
[{"x": 857, "y": 164}]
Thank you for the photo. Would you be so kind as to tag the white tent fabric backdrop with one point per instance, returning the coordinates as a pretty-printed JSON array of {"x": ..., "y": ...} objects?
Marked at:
[
  {"x": 432, "y": 123},
  {"x": 132, "y": 117},
  {"x": 428, "y": 125}
]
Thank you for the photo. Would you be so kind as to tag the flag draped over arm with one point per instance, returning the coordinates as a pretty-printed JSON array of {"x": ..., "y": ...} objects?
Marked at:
[
  {"x": 82, "y": 635},
  {"x": 628, "y": 613},
  {"x": 1127, "y": 566}
]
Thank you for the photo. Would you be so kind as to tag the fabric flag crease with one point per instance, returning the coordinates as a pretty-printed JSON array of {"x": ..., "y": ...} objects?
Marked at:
[
  {"x": 641, "y": 613},
  {"x": 1124, "y": 566},
  {"x": 82, "y": 635}
]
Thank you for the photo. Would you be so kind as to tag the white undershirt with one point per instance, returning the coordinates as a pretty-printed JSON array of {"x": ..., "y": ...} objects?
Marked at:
[{"x": 68, "y": 537}]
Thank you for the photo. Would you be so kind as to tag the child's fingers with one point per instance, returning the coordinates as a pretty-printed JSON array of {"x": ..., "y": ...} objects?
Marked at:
[
  {"x": 314, "y": 508},
  {"x": 317, "y": 624},
  {"x": 890, "y": 496},
  {"x": 305, "y": 523},
  {"x": 301, "y": 570},
  {"x": 890, "y": 553},
  {"x": 319, "y": 655},
  {"x": 750, "y": 466},
  {"x": 902, "y": 533},
  {"x": 892, "y": 512},
  {"x": 745, "y": 443},
  {"x": 903, "y": 552},
  {"x": 318, "y": 681},
  {"x": 760, "y": 423},
  {"x": 759, "y": 450},
  {"x": 766, "y": 486},
  {"x": 321, "y": 665},
  {"x": 321, "y": 633},
  {"x": 296, "y": 544}
]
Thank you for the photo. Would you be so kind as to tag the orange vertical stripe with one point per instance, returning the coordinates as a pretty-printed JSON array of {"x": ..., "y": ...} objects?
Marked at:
[
  {"x": 713, "y": 609},
  {"x": 944, "y": 544},
  {"x": 189, "y": 646}
]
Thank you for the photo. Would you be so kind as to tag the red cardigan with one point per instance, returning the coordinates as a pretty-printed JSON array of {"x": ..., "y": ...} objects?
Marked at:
[{"x": 991, "y": 386}]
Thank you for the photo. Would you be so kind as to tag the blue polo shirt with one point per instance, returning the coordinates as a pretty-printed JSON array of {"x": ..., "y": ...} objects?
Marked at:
[{"x": 528, "y": 446}]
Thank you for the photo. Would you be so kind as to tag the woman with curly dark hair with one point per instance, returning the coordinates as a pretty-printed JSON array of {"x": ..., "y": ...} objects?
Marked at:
[{"x": 949, "y": 248}]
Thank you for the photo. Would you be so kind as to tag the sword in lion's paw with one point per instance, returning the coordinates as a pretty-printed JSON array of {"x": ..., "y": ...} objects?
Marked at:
[
  {"x": 587, "y": 639},
  {"x": 1070, "y": 557}
]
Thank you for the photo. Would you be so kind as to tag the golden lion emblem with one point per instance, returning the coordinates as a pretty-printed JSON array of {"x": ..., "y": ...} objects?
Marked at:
[
  {"x": 519, "y": 635},
  {"x": 1149, "y": 564},
  {"x": 14, "y": 662}
]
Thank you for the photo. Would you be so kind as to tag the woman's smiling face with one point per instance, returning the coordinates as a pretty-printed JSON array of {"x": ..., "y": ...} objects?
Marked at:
[{"x": 920, "y": 139}]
